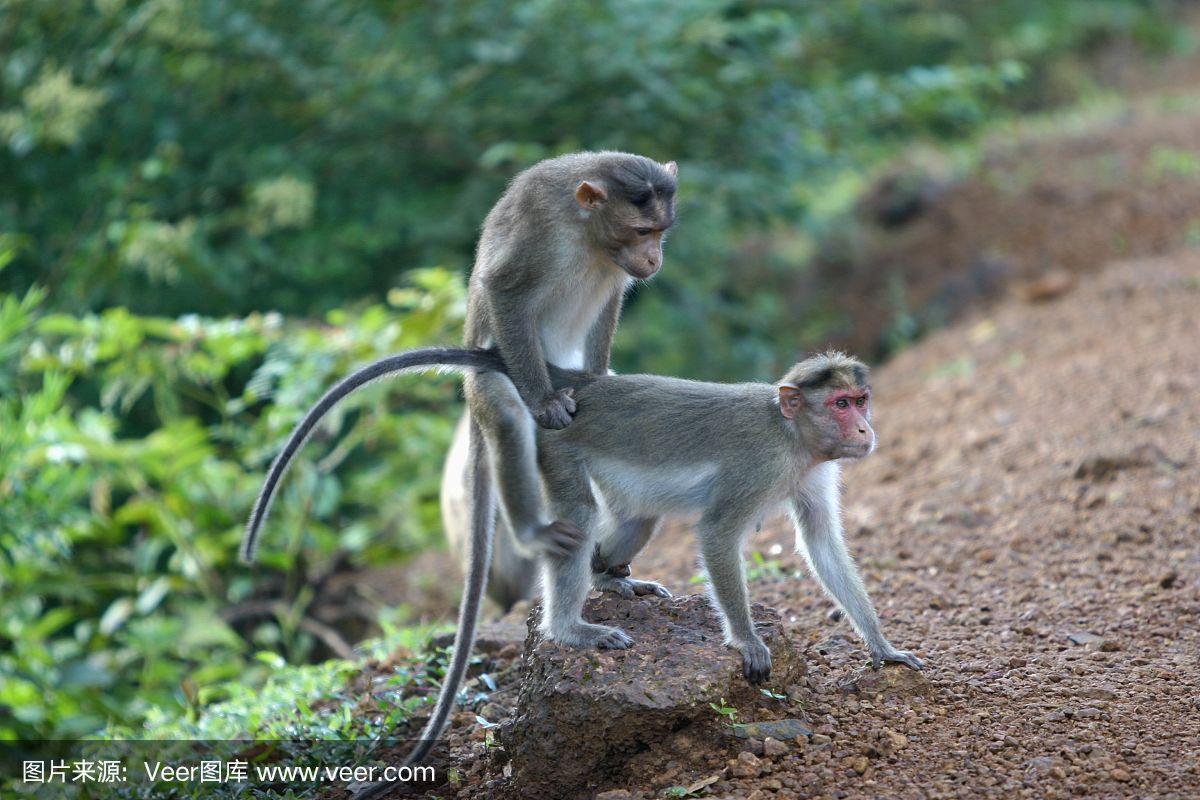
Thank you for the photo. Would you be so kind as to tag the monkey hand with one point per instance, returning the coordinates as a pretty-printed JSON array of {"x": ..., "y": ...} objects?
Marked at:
[
  {"x": 893, "y": 656},
  {"x": 756, "y": 660},
  {"x": 556, "y": 409}
]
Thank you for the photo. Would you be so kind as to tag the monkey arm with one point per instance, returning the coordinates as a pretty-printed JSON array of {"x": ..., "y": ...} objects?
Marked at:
[
  {"x": 817, "y": 513},
  {"x": 599, "y": 341},
  {"x": 721, "y": 533}
]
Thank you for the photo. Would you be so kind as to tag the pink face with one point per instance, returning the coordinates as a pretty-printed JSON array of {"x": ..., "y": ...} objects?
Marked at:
[{"x": 851, "y": 409}]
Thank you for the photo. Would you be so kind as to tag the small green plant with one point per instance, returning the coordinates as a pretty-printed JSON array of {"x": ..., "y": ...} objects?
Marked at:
[
  {"x": 760, "y": 567},
  {"x": 728, "y": 712}
]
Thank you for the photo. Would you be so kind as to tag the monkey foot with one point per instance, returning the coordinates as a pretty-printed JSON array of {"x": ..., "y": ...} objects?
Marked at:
[
  {"x": 629, "y": 588},
  {"x": 601, "y": 637},
  {"x": 756, "y": 661},
  {"x": 896, "y": 657}
]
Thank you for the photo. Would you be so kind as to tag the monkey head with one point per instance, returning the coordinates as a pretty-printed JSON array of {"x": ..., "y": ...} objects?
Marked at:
[
  {"x": 827, "y": 399},
  {"x": 629, "y": 207}
]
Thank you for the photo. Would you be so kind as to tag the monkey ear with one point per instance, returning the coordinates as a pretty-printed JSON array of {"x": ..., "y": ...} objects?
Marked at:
[
  {"x": 589, "y": 195},
  {"x": 672, "y": 168},
  {"x": 790, "y": 400}
]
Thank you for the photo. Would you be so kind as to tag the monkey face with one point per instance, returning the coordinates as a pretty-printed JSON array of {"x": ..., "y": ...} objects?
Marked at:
[
  {"x": 850, "y": 411},
  {"x": 834, "y": 421},
  {"x": 629, "y": 213}
]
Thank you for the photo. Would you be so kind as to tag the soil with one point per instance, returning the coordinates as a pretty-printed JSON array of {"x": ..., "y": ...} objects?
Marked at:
[{"x": 1031, "y": 527}]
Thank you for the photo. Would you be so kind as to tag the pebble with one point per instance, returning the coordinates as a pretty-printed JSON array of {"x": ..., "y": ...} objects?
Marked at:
[
  {"x": 773, "y": 748},
  {"x": 746, "y": 765}
]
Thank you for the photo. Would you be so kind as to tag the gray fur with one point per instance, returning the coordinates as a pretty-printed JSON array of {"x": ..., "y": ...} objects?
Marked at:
[{"x": 643, "y": 445}]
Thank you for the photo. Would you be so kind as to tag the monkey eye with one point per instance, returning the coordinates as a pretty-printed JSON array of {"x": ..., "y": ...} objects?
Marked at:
[
  {"x": 842, "y": 403},
  {"x": 860, "y": 402},
  {"x": 643, "y": 231}
]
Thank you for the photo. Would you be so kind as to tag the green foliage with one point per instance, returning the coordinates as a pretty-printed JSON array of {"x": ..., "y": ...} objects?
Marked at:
[
  {"x": 131, "y": 449},
  {"x": 218, "y": 157}
]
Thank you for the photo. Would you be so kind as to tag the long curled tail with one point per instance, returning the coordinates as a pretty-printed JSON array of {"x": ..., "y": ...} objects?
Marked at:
[{"x": 455, "y": 358}]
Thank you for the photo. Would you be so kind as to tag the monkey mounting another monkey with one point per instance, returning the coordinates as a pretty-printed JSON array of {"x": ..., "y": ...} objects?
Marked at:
[
  {"x": 555, "y": 257},
  {"x": 644, "y": 446}
]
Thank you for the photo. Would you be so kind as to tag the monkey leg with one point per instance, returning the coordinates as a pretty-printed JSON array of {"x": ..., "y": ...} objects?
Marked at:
[
  {"x": 509, "y": 430},
  {"x": 567, "y": 579},
  {"x": 720, "y": 547},
  {"x": 610, "y": 564}
]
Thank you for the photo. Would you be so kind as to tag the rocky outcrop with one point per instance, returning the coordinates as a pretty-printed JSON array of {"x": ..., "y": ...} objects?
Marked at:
[{"x": 582, "y": 713}]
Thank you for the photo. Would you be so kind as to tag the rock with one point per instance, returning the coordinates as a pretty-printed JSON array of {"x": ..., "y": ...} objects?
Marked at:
[
  {"x": 859, "y": 764},
  {"x": 1101, "y": 466},
  {"x": 820, "y": 739},
  {"x": 1052, "y": 285},
  {"x": 492, "y": 638},
  {"x": 1120, "y": 775},
  {"x": 773, "y": 748},
  {"x": 1097, "y": 693},
  {"x": 1086, "y": 639},
  {"x": 615, "y": 794},
  {"x": 1040, "y": 764},
  {"x": 601, "y": 707},
  {"x": 894, "y": 680},
  {"x": 896, "y": 741},
  {"x": 780, "y": 729},
  {"x": 746, "y": 765}
]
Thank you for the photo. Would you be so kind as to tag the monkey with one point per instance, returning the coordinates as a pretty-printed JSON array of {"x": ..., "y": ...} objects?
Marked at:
[
  {"x": 644, "y": 446},
  {"x": 555, "y": 257}
]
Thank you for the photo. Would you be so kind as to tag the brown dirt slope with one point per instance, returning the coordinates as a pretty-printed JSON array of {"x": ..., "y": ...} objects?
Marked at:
[
  {"x": 1031, "y": 526},
  {"x": 1064, "y": 198}
]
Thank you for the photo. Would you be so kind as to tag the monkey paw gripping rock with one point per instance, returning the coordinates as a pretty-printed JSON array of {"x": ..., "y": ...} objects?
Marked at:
[{"x": 583, "y": 713}]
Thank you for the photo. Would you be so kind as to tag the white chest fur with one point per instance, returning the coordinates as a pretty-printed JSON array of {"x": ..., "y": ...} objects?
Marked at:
[{"x": 572, "y": 308}]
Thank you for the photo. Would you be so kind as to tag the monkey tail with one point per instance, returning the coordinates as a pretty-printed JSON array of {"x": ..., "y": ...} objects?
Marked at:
[
  {"x": 456, "y": 358},
  {"x": 483, "y": 521}
]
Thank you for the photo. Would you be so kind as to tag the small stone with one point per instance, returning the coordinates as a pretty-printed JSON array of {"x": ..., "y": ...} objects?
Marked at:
[
  {"x": 615, "y": 794},
  {"x": 898, "y": 741},
  {"x": 859, "y": 764},
  {"x": 1120, "y": 775},
  {"x": 821, "y": 739},
  {"x": 746, "y": 765},
  {"x": 1097, "y": 693},
  {"x": 1085, "y": 639},
  {"x": 781, "y": 729},
  {"x": 773, "y": 748}
]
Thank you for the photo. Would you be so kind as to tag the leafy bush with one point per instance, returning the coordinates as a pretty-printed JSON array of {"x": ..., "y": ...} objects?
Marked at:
[{"x": 131, "y": 449}]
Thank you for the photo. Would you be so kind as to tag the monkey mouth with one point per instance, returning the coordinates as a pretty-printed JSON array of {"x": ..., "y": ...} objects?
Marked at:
[
  {"x": 861, "y": 450},
  {"x": 641, "y": 273}
]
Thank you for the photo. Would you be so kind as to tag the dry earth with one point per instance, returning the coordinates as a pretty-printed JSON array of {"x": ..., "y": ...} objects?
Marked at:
[{"x": 1031, "y": 526}]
